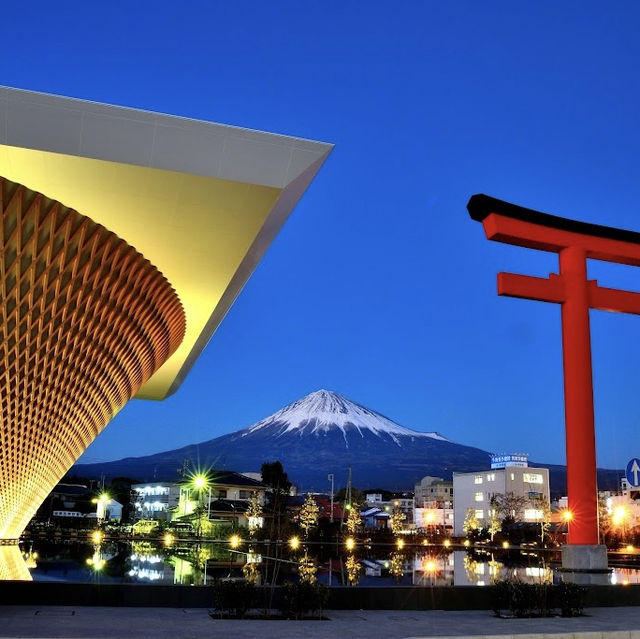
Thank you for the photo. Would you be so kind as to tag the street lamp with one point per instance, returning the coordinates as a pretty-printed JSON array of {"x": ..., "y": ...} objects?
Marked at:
[
  {"x": 101, "y": 502},
  {"x": 200, "y": 482},
  {"x": 294, "y": 543},
  {"x": 619, "y": 519}
]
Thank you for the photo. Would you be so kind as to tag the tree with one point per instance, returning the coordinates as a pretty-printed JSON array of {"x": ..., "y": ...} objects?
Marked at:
[
  {"x": 510, "y": 506},
  {"x": 307, "y": 569},
  {"x": 397, "y": 520},
  {"x": 495, "y": 521},
  {"x": 274, "y": 476},
  {"x": 120, "y": 490},
  {"x": 254, "y": 514},
  {"x": 309, "y": 514},
  {"x": 354, "y": 520},
  {"x": 604, "y": 521},
  {"x": 356, "y": 495},
  {"x": 471, "y": 523},
  {"x": 541, "y": 505}
]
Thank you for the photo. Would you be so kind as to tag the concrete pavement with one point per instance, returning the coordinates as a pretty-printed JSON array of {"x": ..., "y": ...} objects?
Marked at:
[{"x": 40, "y": 622}]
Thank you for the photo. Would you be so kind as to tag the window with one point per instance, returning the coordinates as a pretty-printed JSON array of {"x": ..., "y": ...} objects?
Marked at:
[
  {"x": 478, "y": 479},
  {"x": 479, "y": 497},
  {"x": 532, "y": 478},
  {"x": 532, "y": 514},
  {"x": 479, "y": 514},
  {"x": 222, "y": 494},
  {"x": 245, "y": 494},
  {"x": 513, "y": 476},
  {"x": 491, "y": 477}
]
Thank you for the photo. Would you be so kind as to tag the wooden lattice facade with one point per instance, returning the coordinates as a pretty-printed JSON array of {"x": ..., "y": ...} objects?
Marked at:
[{"x": 85, "y": 320}]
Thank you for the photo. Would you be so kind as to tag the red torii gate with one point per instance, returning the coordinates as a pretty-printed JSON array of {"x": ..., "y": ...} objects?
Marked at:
[{"x": 574, "y": 242}]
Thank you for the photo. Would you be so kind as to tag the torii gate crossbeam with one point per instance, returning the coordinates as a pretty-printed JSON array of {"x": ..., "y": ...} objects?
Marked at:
[{"x": 575, "y": 242}]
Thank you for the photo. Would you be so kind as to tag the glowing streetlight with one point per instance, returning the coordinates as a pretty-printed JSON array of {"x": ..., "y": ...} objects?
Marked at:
[
  {"x": 620, "y": 515},
  {"x": 429, "y": 566},
  {"x": 567, "y": 515},
  {"x": 446, "y": 543},
  {"x": 350, "y": 543},
  {"x": 234, "y": 541},
  {"x": 101, "y": 501},
  {"x": 96, "y": 536},
  {"x": 168, "y": 539},
  {"x": 400, "y": 544},
  {"x": 294, "y": 543},
  {"x": 199, "y": 481},
  {"x": 505, "y": 544}
]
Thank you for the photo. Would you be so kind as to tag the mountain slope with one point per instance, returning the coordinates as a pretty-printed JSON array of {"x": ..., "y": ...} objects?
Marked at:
[{"x": 319, "y": 434}]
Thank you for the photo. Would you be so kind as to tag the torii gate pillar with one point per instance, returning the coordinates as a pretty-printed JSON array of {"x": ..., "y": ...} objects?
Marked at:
[{"x": 574, "y": 242}]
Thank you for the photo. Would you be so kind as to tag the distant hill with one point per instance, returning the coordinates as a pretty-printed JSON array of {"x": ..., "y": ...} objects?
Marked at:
[{"x": 324, "y": 433}]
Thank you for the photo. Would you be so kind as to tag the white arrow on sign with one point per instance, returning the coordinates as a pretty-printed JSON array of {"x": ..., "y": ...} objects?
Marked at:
[{"x": 635, "y": 469}]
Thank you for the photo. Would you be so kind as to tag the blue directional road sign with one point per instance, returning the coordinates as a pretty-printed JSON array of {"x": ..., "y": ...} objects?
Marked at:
[{"x": 633, "y": 472}]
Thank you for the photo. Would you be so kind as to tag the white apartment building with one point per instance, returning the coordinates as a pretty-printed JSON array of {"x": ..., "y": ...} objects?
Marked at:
[
  {"x": 509, "y": 474},
  {"x": 156, "y": 500}
]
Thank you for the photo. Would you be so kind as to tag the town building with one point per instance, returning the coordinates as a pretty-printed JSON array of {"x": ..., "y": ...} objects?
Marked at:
[
  {"x": 156, "y": 500},
  {"x": 388, "y": 502},
  {"x": 225, "y": 495},
  {"x": 436, "y": 519},
  {"x": 74, "y": 504},
  {"x": 431, "y": 492},
  {"x": 508, "y": 475}
]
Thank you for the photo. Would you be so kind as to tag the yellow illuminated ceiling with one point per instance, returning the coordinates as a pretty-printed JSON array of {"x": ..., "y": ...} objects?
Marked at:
[
  {"x": 196, "y": 230},
  {"x": 202, "y": 201}
]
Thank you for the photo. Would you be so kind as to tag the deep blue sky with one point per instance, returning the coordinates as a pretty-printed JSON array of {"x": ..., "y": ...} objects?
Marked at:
[{"x": 379, "y": 285}]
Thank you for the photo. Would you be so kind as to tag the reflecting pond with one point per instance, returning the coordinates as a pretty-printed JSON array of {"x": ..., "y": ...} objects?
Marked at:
[{"x": 188, "y": 562}]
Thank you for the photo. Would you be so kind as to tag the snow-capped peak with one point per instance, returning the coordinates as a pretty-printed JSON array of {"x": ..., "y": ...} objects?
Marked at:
[{"x": 324, "y": 410}]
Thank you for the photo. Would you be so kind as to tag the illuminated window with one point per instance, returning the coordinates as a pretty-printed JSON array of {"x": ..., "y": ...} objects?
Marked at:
[
  {"x": 479, "y": 497},
  {"x": 491, "y": 477},
  {"x": 478, "y": 479},
  {"x": 532, "y": 514},
  {"x": 532, "y": 478},
  {"x": 479, "y": 514}
]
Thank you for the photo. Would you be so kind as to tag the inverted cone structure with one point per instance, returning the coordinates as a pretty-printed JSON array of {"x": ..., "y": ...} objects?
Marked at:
[
  {"x": 85, "y": 320},
  {"x": 12, "y": 564}
]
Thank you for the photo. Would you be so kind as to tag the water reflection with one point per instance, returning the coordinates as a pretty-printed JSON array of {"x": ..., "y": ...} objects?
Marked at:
[{"x": 171, "y": 561}]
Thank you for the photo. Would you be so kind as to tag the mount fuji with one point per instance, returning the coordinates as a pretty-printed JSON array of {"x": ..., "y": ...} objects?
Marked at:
[{"x": 320, "y": 434}]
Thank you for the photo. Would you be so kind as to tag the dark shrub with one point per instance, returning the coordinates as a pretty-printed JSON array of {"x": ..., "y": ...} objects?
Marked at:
[
  {"x": 233, "y": 598},
  {"x": 537, "y": 600},
  {"x": 569, "y": 598},
  {"x": 303, "y": 599}
]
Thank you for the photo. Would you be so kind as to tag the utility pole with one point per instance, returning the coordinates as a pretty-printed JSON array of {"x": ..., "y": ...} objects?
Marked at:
[{"x": 330, "y": 478}]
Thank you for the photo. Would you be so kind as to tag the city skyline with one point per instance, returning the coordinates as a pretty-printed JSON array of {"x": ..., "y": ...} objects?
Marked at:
[{"x": 379, "y": 286}]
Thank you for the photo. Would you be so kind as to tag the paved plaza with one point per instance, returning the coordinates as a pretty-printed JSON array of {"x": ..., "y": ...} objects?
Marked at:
[{"x": 195, "y": 623}]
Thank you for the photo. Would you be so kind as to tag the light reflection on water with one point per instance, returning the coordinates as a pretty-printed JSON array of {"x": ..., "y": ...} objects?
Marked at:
[{"x": 192, "y": 563}]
